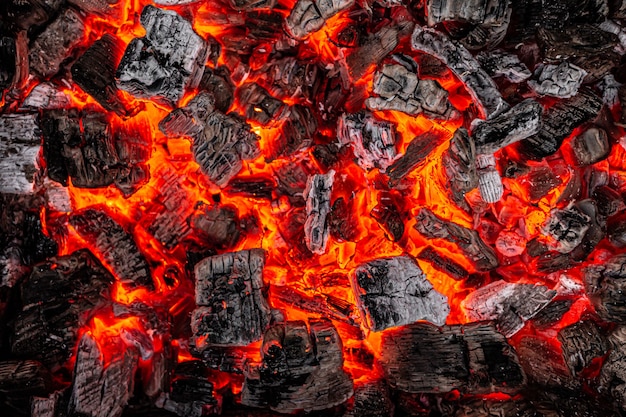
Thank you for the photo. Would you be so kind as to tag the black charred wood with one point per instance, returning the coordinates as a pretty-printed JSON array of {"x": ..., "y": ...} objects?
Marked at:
[
  {"x": 289, "y": 78},
  {"x": 553, "y": 261},
  {"x": 574, "y": 41},
  {"x": 540, "y": 181},
  {"x": 567, "y": 228},
  {"x": 416, "y": 153},
  {"x": 191, "y": 393},
  {"x": 297, "y": 131},
  {"x": 94, "y": 72},
  {"x": 613, "y": 372},
  {"x": 552, "y": 313},
  {"x": 617, "y": 230},
  {"x": 99, "y": 7},
  {"x": 331, "y": 155},
  {"x": 252, "y": 187},
  {"x": 249, "y": 5},
  {"x": 225, "y": 358},
  {"x": 388, "y": 215},
  {"x": 502, "y": 64},
  {"x": 19, "y": 382},
  {"x": 374, "y": 49},
  {"x": 373, "y": 141},
  {"x": 479, "y": 253},
  {"x": 308, "y": 16},
  {"x": 581, "y": 343},
  {"x": 544, "y": 363},
  {"x": 459, "y": 163},
  {"x": 217, "y": 225},
  {"x": 605, "y": 285},
  {"x": 474, "y": 358},
  {"x": 371, "y": 399},
  {"x": 326, "y": 306},
  {"x": 29, "y": 13},
  {"x": 560, "y": 81},
  {"x": 115, "y": 245},
  {"x": 342, "y": 221},
  {"x": 608, "y": 201},
  {"x": 8, "y": 61},
  {"x": 231, "y": 299},
  {"x": 217, "y": 82},
  {"x": 19, "y": 148},
  {"x": 259, "y": 105},
  {"x": 591, "y": 146},
  {"x": 442, "y": 263},
  {"x": 317, "y": 195}
]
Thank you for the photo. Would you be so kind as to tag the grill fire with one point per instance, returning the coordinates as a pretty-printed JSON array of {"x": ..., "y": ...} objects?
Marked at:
[{"x": 351, "y": 209}]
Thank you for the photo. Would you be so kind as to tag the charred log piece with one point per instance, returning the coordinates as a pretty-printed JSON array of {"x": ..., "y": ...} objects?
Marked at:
[
  {"x": 581, "y": 343},
  {"x": 8, "y": 62},
  {"x": 317, "y": 193},
  {"x": 58, "y": 299},
  {"x": 509, "y": 305},
  {"x": 460, "y": 166},
  {"x": 217, "y": 225},
  {"x": 259, "y": 105},
  {"x": 373, "y": 141},
  {"x": 166, "y": 62},
  {"x": 46, "y": 96},
  {"x": 19, "y": 150},
  {"x": 400, "y": 89},
  {"x": 394, "y": 292},
  {"x": 608, "y": 201},
  {"x": 560, "y": 81},
  {"x": 491, "y": 408},
  {"x": 595, "y": 233},
  {"x": 544, "y": 364},
  {"x": 419, "y": 148},
  {"x": 389, "y": 217},
  {"x": 25, "y": 14},
  {"x": 566, "y": 228},
  {"x": 559, "y": 121},
  {"x": 115, "y": 245},
  {"x": 443, "y": 264},
  {"x": 231, "y": 297},
  {"x": 375, "y": 48},
  {"x": 491, "y": 20},
  {"x": 499, "y": 63},
  {"x": 301, "y": 369},
  {"x": 99, "y": 7},
  {"x": 591, "y": 146},
  {"x": 217, "y": 82},
  {"x": 55, "y": 43},
  {"x": 19, "y": 382},
  {"x": 326, "y": 306},
  {"x": 292, "y": 179},
  {"x": 605, "y": 288},
  {"x": 489, "y": 180},
  {"x": 101, "y": 389},
  {"x": 291, "y": 78},
  {"x": 191, "y": 392},
  {"x": 49, "y": 406},
  {"x": 574, "y": 41},
  {"x": 479, "y": 253},
  {"x": 552, "y": 313},
  {"x": 82, "y": 146},
  {"x": 480, "y": 86},
  {"x": 94, "y": 72},
  {"x": 297, "y": 131},
  {"x": 309, "y": 16},
  {"x": 371, "y": 399},
  {"x": 252, "y": 187},
  {"x": 342, "y": 221},
  {"x": 613, "y": 372},
  {"x": 474, "y": 358}
]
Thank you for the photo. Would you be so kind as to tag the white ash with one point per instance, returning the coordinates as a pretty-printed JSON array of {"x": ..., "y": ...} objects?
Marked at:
[{"x": 560, "y": 81}]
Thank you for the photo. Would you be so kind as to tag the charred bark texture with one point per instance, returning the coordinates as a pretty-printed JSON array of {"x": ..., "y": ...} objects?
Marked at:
[
  {"x": 416, "y": 153},
  {"x": 373, "y": 141},
  {"x": 459, "y": 164},
  {"x": 308, "y": 16},
  {"x": 606, "y": 288},
  {"x": 581, "y": 343},
  {"x": 317, "y": 194},
  {"x": 442, "y": 263},
  {"x": 19, "y": 150}
]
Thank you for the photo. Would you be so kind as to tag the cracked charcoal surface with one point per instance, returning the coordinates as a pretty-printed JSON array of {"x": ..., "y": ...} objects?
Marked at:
[
  {"x": 317, "y": 193},
  {"x": 581, "y": 343},
  {"x": 373, "y": 141},
  {"x": 19, "y": 150},
  {"x": 416, "y": 153},
  {"x": 606, "y": 288},
  {"x": 560, "y": 81},
  {"x": 591, "y": 146},
  {"x": 459, "y": 163},
  {"x": 394, "y": 292},
  {"x": 308, "y": 16},
  {"x": 499, "y": 63},
  {"x": 567, "y": 228}
]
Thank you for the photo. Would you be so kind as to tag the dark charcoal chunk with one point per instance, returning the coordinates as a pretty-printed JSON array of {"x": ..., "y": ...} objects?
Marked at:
[
  {"x": 544, "y": 363},
  {"x": 387, "y": 214},
  {"x": 617, "y": 230},
  {"x": 94, "y": 72},
  {"x": 540, "y": 181},
  {"x": 328, "y": 306},
  {"x": 559, "y": 121},
  {"x": 492, "y": 408},
  {"x": 19, "y": 150},
  {"x": 479, "y": 253},
  {"x": 55, "y": 43},
  {"x": 591, "y": 146},
  {"x": 19, "y": 382},
  {"x": 581, "y": 343},
  {"x": 116, "y": 246},
  {"x": 480, "y": 86},
  {"x": 374, "y": 48},
  {"x": 46, "y": 406},
  {"x": 472, "y": 358},
  {"x": 289, "y": 77},
  {"x": 502, "y": 64},
  {"x": 253, "y": 187},
  {"x": 217, "y": 225},
  {"x": 373, "y": 141},
  {"x": 301, "y": 369},
  {"x": 27, "y": 13},
  {"x": 102, "y": 389},
  {"x": 551, "y": 313},
  {"x": 510, "y": 305},
  {"x": 252, "y": 4},
  {"x": 575, "y": 41},
  {"x": 613, "y": 373},
  {"x": 191, "y": 393},
  {"x": 394, "y": 292},
  {"x": 443, "y": 263},
  {"x": 371, "y": 399},
  {"x": 416, "y": 153},
  {"x": 217, "y": 82},
  {"x": 606, "y": 288},
  {"x": 308, "y": 16},
  {"x": 560, "y": 81},
  {"x": 8, "y": 62},
  {"x": 342, "y": 221},
  {"x": 259, "y": 105},
  {"x": 99, "y": 7},
  {"x": 317, "y": 195},
  {"x": 460, "y": 166},
  {"x": 167, "y": 61},
  {"x": 230, "y": 295},
  {"x": 608, "y": 201},
  {"x": 59, "y": 298},
  {"x": 567, "y": 228},
  {"x": 297, "y": 131}
]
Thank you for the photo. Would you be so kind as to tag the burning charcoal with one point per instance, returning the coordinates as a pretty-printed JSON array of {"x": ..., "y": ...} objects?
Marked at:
[
  {"x": 252, "y": 187},
  {"x": 551, "y": 313},
  {"x": 188, "y": 120},
  {"x": 116, "y": 246},
  {"x": 308, "y": 16},
  {"x": 313, "y": 304},
  {"x": 605, "y": 288},
  {"x": 559, "y": 121},
  {"x": 442, "y": 263},
  {"x": 399, "y": 89},
  {"x": 387, "y": 214},
  {"x": 342, "y": 222},
  {"x": 232, "y": 308},
  {"x": 46, "y": 96},
  {"x": 489, "y": 180},
  {"x": 613, "y": 373},
  {"x": 560, "y": 81},
  {"x": 394, "y": 292},
  {"x": 252, "y": 4},
  {"x": 167, "y": 61},
  {"x": 502, "y": 64},
  {"x": 101, "y": 389},
  {"x": 566, "y": 228},
  {"x": 445, "y": 10},
  {"x": 474, "y": 358},
  {"x": 55, "y": 43},
  {"x": 99, "y": 7},
  {"x": 259, "y": 105},
  {"x": 317, "y": 194},
  {"x": 19, "y": 382},
  {"x": 608, "y": 201},
  {"x": 591, "y": 146},
  {"x": 419, "y": 148},
  {"x": 574, "y": 41},
  {"x": 217, "y": 225},
  {"x": 174, "y": 2},
  {"x": 301, "y": 369},
  {"x": 371, "y": 399},
  {"x": 581, "y": 343},
  {"x": 291, "y": 78},
  {"x": 94, "y": 72},
  {"x": 297, "y": 131},
  {"x": 27, "y": 13},
  {"x": 217, "y": 82},
  {"x": 46, "y": 406},
  {"x": 292, "y": 179},
  {"x": 191, "y": 393},
  {"x": 518, "y": 123},
  {"x": 544, "y": 364},
  {"x": 19, "y": 150},
  {"x": 8, "y": 61},
  {"x": 374, "y": 49},
  {"x": 510, "y": 305},
  {"x": 480, "y": 86},
  {"x": 373, "y": 141},
  {"x": 460, "y": 166},
  {"x": 479, "y": 253},
  {"x": 59, "y": 297}
]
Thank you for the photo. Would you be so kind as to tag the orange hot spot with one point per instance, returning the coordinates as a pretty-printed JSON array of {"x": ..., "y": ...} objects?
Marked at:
[{"x": 323, "y": 42}]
